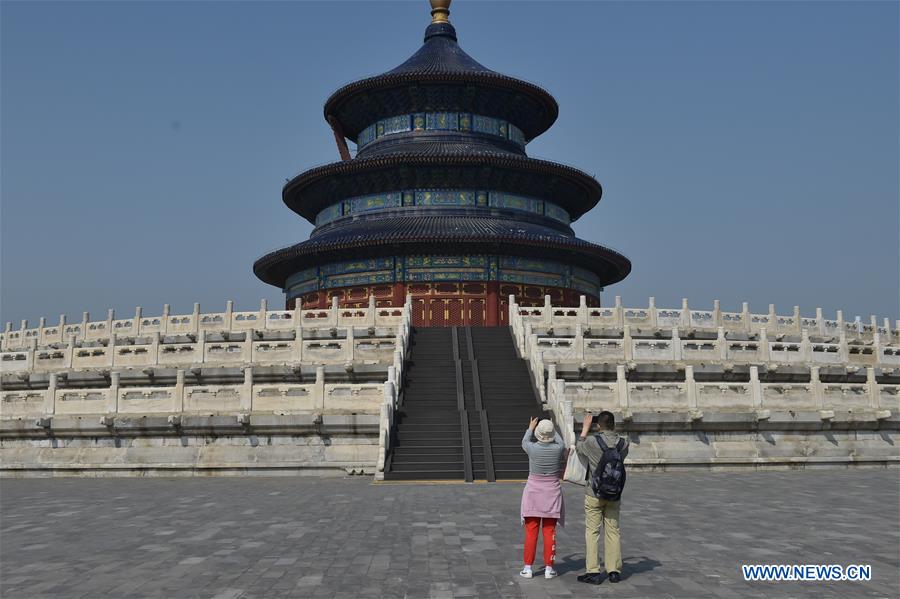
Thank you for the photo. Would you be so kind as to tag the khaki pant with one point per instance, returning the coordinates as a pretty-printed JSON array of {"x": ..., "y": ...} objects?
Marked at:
[{"x": 597, "y": 513}]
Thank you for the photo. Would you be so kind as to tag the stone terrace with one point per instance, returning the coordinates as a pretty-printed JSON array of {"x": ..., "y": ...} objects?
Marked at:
[{"x": 685, "y": 534}]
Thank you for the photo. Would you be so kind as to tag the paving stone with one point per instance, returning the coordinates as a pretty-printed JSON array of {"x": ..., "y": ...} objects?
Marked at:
[{"x": 683, "y": 534}]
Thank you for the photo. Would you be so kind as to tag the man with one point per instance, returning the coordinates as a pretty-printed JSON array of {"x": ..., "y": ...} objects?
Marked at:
[{"x": 598, "y": 511}]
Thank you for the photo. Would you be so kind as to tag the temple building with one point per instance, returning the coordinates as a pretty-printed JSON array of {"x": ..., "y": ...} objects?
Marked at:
[{"x": 441, "y": 200}]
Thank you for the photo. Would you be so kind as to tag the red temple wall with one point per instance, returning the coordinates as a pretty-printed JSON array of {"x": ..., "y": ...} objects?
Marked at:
[{"x": 447, "y": 304}]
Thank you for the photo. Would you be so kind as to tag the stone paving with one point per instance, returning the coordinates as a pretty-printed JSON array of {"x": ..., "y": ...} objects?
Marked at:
[{"x": 685, "y": 534}]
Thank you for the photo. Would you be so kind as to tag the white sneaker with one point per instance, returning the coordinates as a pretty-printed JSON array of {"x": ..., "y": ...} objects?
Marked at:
[
  {"x": 526, "y": 572},
  {"x": 549, "y": 572}
]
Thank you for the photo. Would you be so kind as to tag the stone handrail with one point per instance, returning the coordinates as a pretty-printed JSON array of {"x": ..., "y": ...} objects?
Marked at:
[
  {"x": 228, "y": 321},
  {"x": 195, "y": 350},
  {"x": 235, "y": 399},
  {"x": 552, "y": 338},
  {"x": 686, "y": 319},
  {"x": 392, "y": 388},
  {"x": 691, "y": 397}
]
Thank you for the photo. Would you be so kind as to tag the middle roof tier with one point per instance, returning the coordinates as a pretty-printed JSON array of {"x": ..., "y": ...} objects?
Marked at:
[{"x": 442, "y": 166}]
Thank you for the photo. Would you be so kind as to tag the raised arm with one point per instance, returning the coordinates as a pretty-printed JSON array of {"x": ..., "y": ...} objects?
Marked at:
[
  {"x": 579, "y": 442},
  {"x": 529, "y": 433}
]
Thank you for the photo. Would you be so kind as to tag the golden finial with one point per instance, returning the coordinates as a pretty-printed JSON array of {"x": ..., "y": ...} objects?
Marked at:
[{"x": 440, "y": 11}]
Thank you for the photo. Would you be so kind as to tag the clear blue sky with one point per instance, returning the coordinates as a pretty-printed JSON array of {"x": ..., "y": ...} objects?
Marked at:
[{"x": 748, "y": 150}]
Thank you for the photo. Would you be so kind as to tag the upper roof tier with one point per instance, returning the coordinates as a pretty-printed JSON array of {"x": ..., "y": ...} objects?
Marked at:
[{"x": 441, "y": 76}]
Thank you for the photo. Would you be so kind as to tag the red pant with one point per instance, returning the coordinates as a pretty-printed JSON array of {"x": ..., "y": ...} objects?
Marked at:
[{"x": 531, "y": 539}]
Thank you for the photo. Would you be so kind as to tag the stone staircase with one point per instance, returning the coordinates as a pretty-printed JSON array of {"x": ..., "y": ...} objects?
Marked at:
[{"x": 466, "y": 403}]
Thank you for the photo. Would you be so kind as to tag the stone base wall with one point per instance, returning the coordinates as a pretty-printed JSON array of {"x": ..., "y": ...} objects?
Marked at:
[{"x": 267, "y": 445}]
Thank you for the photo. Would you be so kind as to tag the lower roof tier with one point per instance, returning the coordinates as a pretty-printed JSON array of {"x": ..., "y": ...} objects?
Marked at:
[{"x": 442, "y": 235}]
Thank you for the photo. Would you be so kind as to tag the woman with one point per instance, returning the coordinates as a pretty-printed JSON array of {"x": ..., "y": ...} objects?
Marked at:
[{"x": 542, "y": 499}]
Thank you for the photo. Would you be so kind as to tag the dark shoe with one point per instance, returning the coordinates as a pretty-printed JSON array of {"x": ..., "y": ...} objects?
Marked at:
[
  {"x": 591, "y": 578},
  {"x": 615, "y": 577}
]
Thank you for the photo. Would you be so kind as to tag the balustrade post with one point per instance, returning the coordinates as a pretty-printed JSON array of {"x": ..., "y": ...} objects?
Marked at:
[
  {"x": 263, "y": 316},
  {"x": 756, "y": 394},
  {"x": 820, "y": 322},
  {"x": 676, "y": 345},
  {"x": 872, "y": 388},
  {"x": 62, "y": 328},
  {"x": 349, "y": 350},
  {"x": 42, "y": 322},
  {"x": 844, "y": 348},
  {"x": 721, "y": 343},
  {"x": 85, "y": 319},
  {"x": 297, "y": 352},
  {"x": 579, "y": 341},
  {"x": 622, "y": 387},
  {"x": 798, "y": 324},
  {"x": 31, "y": 360},
  {"x": 178, "y": 393},
  {"x": 50, "y": 397},
  {"x": 154, "y": 347},
  {"x": 70, "y": 351},
  {"x": 297, "y": 314},
  {"x": 110, "y": 316},
  {"x": 112, "y": 399},
  {"x": 690, "y": 387},
  {"x": 200, "y": 340},
  {"x": 229, "y": 314},
  {"x": 815, "y": 384},
  {"x": 195, "y": 320},
  {"x": 582, "y": 310},
  {"x": 745, "y": 316},
  {"x": 136, "y": 327},
  {"x": 7, "y": 329},
  {"x": 165, "y": 319},
  {"x": 526, "y": 340},
  {"x": 247, "y": 391},
  {"x": 548, "y": 311},
  {"x": 619, "y": 312},
  {"x": 249, "y": 336},
  {"x": 651, "y": 310},
  {"x": 887, "y": 329},
  {"x": 335, "y": 306},
  {"x": 840, "y": 320},
  {"x": 685, "y": 314},
  {"x": 370, "y": 313},
  {"x": 111, "y": 349},
  {"x": 805, "y": 346},
  {"x": 627, "y": 343},
  {"x": 319, "y": 392},
  {"x": 763, "y": 345},
  {"x": 717, "y": 313}
]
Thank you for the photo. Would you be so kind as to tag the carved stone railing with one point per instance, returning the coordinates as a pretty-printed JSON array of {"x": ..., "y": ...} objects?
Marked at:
[
  {"x": 625, "y": 397},
  {"x": 196, "y": 323},
  {"x": 392, "y": 388},
  {"x": 577, "y": 341},
  {"x": 686, "y": 320},
  {"x": 249, "y": 397},
  {"x": 58, "y": 396},
  {"x": 238, "y": 349}
]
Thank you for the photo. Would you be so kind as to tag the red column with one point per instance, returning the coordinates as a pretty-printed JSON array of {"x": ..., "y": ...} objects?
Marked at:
[
  {"x": 492, "y": 318},
  {"x": 399, "y": 295}
]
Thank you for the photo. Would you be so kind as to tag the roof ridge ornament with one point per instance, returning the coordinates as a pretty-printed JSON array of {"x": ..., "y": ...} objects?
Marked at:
[{"x": 440, "y": 11}]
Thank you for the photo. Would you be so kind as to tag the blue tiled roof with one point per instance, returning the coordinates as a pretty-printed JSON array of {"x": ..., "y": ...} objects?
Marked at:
[{"x": 406, "y": 234}]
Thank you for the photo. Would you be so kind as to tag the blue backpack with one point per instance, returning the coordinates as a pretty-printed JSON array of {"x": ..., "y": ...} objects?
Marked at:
[{"x": 608, "y": 480}]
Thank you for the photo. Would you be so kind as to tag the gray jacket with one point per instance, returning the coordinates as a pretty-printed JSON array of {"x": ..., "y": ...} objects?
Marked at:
[{"x": 589, "y": 449}]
